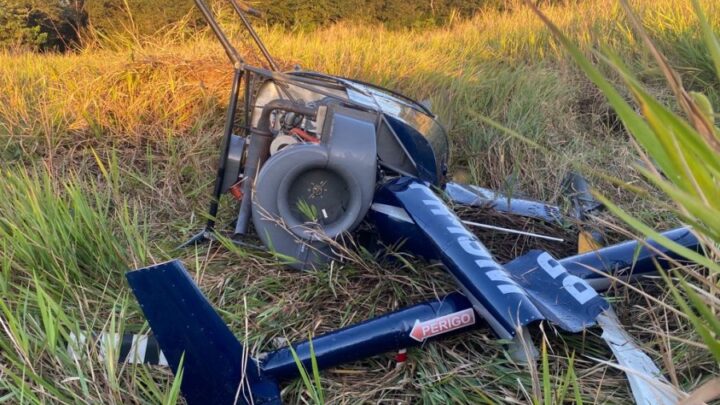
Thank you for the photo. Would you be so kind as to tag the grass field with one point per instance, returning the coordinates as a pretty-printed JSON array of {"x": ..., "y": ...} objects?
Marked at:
[{"x": 107, "y": 159}]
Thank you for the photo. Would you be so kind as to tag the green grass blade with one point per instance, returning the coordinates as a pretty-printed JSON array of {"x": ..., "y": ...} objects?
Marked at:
[
  {"x": 316, "y": 373},
  {"x": 702, "y": 308},
  {"x": 666, "y": 126},
  {"x": 705, "y": 216},
  {"x": 547, "y": 390},
  {"x": 634, "y": 123},
  {"x": 657, "y": 236},
  {"x": 711, "y": 40},
  {"x": 173, "y": 395},
  {"x": 700, "y": 326},
  {"x": 305, "y": 376}
]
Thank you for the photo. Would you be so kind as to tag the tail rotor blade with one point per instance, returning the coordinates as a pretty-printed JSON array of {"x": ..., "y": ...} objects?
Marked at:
[{"x": 186, "y": 324}]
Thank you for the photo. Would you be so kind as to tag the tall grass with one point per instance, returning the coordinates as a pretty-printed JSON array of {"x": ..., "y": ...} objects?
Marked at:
[
  {"x": 107, "y": 155},
  {"x": 505, "y": 66},
  {"x": 65, "y": 244},
  {"x": 685, "y": 152}
]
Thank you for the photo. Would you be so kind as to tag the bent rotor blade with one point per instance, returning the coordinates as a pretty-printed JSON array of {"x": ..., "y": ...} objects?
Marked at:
[{"x": 648, "y": 385}]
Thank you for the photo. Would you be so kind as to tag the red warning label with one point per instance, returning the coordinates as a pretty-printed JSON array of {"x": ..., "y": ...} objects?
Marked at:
[{"x": 443, "y": 324}]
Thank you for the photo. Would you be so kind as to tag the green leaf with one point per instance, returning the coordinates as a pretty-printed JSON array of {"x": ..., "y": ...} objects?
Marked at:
[
  {"x": 667, "y": 125},
  {"x": 702, "y": 308},
  {"x": 632, "y": 121},
  {"x": 575, "y": 383},
  {"x": 701, "y": 327},
  {"x": 314, "y": 391},
  {"x": 658, "y": 237},
  {"x": 708, "y": 216},
  {"x": 711, "y": 40},
  {"x": 174, "y": 394},
  {"x": 316, "y": 373},
  {"x": 547, "y": 391}
]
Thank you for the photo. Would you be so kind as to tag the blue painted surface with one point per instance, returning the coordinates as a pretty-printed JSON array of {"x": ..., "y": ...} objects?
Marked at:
[
  {"x": 564, "y": 299},
  {"x": 630, "y": 257},
  {"x": 184, "y": 322},
  {"x": 429, "y": 163},
  {"x": 624, "y": 258},
  {"x": 495, "y": 296},
  {"x": 386, "y": 333}
]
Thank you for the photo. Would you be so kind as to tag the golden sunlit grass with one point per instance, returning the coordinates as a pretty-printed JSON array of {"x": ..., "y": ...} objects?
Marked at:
[{"x": 151, "y": 111}]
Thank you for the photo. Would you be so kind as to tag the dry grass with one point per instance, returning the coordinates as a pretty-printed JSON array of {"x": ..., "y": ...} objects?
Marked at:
[{"x": 151, "y": 111}]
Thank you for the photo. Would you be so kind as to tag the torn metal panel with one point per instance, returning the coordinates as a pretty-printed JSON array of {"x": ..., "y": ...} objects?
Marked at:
[
  {"x": 630, "y": 259},
  {"x": 626, "y": 261},
  {"x": 215, "y": 364},
  {"x": 648, "y": 385},
  {"x": 564, "y": 299}
]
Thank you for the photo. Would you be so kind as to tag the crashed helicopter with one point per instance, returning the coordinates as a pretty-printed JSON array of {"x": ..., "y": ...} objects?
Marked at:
[{"x": 319, "y": 155}]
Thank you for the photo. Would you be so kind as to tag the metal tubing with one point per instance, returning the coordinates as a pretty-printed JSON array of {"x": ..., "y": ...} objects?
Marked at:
[
  {"x": 387, "y": 333},
  {"x": 241, "y": 13},
  {"x": 597, "y": 267},
  {"x": 227, "y": 135},
  {"x": 513, "y": 231},
  {"x": 248, "y": 99},
  {"x": 477, "y": 196},
  {"x": 634, "y": 255},
  {"x": 231, "y": 52},
  {"x": 249, "y": 10},
  {"x": 391, "y": 332},
  {"x": 258, "y": 151}
]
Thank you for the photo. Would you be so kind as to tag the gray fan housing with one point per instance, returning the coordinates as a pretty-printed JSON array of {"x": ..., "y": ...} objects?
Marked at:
[{"x": 308, "y": 195}]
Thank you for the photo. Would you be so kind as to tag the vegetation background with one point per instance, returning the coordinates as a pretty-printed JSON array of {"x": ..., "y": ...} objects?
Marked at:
[
  {"x": 110, "y": 115},
  {"x": 54, "y": 25}
]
